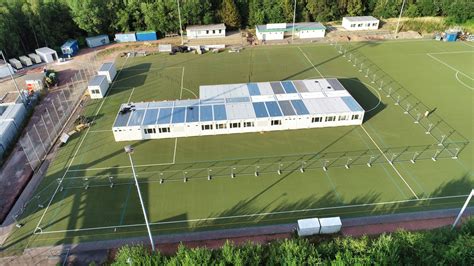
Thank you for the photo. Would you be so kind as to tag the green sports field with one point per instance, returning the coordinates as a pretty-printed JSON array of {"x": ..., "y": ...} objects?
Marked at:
[{"x": 396, "y": 83}]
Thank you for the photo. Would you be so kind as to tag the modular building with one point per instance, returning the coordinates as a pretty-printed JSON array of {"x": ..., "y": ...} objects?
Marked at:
[
  {"x": 5, "y": 69},
  {"x": 308, "y": 227},
  {"x": 97, "y": 41},
  {"x": 278, "y": 31},
  {"x": 70, "y": 48},
  {"x": 98, "y": 86},
  {"x": 241, "y": 108},
  {"x": 330, "y": 225},
  {"x": 146, "y": 36},
  {"x": 450, "y": 36},
  {"x": 47, "y": 55},
  {"x": 15, "y": 63},
  {"x": 360, "y": 23},
  {"x": 25, "y": 60},
  {"x": 12, "y": 116},
  {"x": 108, "y": 70},
  {"x": 125, "y": 37},
  {"x": 206, "y": 31},
  {"x": 34, "y": 58}
]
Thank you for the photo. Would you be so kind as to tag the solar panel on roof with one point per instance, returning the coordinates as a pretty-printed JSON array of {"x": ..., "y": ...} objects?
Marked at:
[
  {"x": 213, "y": 101},
  {"x": 260, "y": 110},
  {"x": 150, "y": 117},
  {"x": 161, "y": 104},
  {"x": 192, "y": 113},
  {"x": 277, "y": 88},
  {"x": 164, "y": 116},
  {"x": 352, "y": 104},
  {"x": 136, "y": 118},
  {"x": 219, "y": 112},
  {"x": 300, "y": 107},
  {"x": 206, "y": 113},
  {"x": 288, "y": 86},
  {"x": 300, "y": 86},
  {"x": 238, "y": 100},
  {"x": 286, "y": 108},
  {"x": 122, "y": 119},
  {"x": 273, "y": 109},
  {"x": 178, "y": 115},
  {"x": 253, "y": 89}
]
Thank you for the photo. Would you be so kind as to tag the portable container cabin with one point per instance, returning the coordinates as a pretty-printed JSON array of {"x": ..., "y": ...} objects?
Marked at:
[
  {"x": 15, "y": 112},
  {"x": 34, "y": 58},
  {"x": 15, "y": 63},
  {"x": 164, "y": 48},
  {"x": 307, "y": 30},
  {"x": 34, "y": 82},
  {"x": 360, "y": 23},
  {"x": 5, "y": 69},
  {"x": 70, "y": 48},
  {"x": 98, "y": 86},
  {"x": 146, "y": 36},
  {"x": 8, "y": 132},
  {"x": 46, "y": 54},
  {"x": 330, "y": 225},
  {"x": 206, "y": 31},
  {"x": 108, "y": 70},
  {"x": 308, "y": 227},
  {"x": 272, "y": 31},
  {"x": 278, "y": 31},
  {"x": 97, "y": 41},
  {"x": 25, "y": 60},
  {"x": 240, "y": 108},
  {"x": 451, "y": 36},
  {"x": 125, "y": 37}
]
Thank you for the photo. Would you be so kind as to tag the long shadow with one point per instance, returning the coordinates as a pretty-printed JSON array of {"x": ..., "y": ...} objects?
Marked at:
[
  {"x": 136, "y": 81},
  {"x": 364, "y": 96}
]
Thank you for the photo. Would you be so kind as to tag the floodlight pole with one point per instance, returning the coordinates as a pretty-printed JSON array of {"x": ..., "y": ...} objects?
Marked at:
[
  {"x": 129, "y": 150},
  {"x": 13, "y": 79},
  {"x": 399, "y": 17},
  {"x": 294, "y": 18},
  {"x": 180, "y": 26},
  {"x": 463, "y": 208}
]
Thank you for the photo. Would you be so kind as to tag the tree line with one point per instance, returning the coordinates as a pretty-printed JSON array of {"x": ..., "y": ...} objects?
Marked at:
[
  {"x": 28, "y": 24},
  {"x": 437, "y": 247}
]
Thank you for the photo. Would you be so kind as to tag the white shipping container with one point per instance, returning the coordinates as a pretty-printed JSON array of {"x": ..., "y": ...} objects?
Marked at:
[
  {"x": 34, "y": 58},
  {"x": 5, "y": 70},
  {"x": 307, "y": 227},
  {"x": 98, "y": 86},
  {"x": 108, "y": 70},
  {"x": 330, "y": 225},
  {"x": 15, "y": 63},
  {"x": 26, "y": 61},
  {"x": 97, "y": 41},
  {"x": 8, "y": 132}
]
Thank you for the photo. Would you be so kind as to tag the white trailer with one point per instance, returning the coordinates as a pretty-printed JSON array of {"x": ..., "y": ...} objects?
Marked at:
[
  {"x": 108, "y": 70},
  {"x": 34, "y": 58},
  {"x": 98, "y": 86},
  {"x": 25, "y": 60},
  {"x": 15, "y": 63},
  {"x": 47, "y": 55},
  {"x": 360, "y": 23},
  {"x": 278, "y": 31},
  {"x": 206, "y": 31},
  {"x": 330, "y": 225},
  {"x": 308, "y": 227}
]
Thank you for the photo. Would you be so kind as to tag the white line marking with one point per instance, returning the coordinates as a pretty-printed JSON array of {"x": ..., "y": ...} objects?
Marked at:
[
  {"x": 253, "y": 214},
  {"x": 175, "y": 146},
  {"x": 454, "y": 69},
  {"x": 75, "y": 153},
  {"x": 191, "y": 92},
  {"x": 100, "y": 130},
  {"x": 182, "y": 79},
  {"x": 460, "y": 81},
  {"x": 454, "y": 52},
  {"x": 465, "y": 43},
  {"x": 383, "y": 154},
  {"x": 131, "y": 93},
  {"x": 311, "y": 62}
]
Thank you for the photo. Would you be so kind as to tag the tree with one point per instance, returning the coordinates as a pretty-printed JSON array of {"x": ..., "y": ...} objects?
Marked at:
[
  {"x": 355, "y": 8},
  {"x": 256, "y": 13},
  {"x": 229, "y": 14},
  {"x": 195, "y": 12},
  {"x": 94, "y": 16},
  {"x": 161, "y": 16}
]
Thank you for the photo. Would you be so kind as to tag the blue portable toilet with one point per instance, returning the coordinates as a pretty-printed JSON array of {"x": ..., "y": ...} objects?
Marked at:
[
  {"x": 70, "y": 47},
  {"x": 451, "y": 36},
  {"x": 146, "y": 36}
]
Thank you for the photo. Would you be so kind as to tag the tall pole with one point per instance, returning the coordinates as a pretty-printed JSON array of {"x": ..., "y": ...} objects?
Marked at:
[
  {"x": 294, "y": 18},
  {"x": 399, "y": 17},
  {"x": 10, "y": 71},
  {"x": 463, "y": 208},
  {"x": 180, "y": 26},
  {"x": 129, "y": 150}
]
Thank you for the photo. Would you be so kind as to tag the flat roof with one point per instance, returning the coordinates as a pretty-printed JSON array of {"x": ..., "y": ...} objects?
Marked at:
[
  {"x": 245, "y": 101},
  {"x": 289, "y": 27},
  {"x": 45, "y": 50},
  {"x": 106, "y": 66},
  {"x": 97, "y": 80},
  {"x": 207, "y": 27},
  {"x": 361, "y": 18}
]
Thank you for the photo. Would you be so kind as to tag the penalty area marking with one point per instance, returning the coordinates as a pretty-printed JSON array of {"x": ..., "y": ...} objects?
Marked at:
[
  {"x": 251, "y": 215},
  {"x": 460, "y": 81},
  {"x": 452, "y": 68}
]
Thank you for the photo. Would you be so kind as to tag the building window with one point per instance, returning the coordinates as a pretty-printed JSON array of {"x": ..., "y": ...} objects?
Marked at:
[
  {"x": 234, "y": 125},
  {"x": 213, "y": 31},
  {"x": 343, "y": 117},
  {"x": 316, "y": 119},
  {"x": 220, "y": 31},
  {"x": 164, "y": 130},
  {"x": 359, "y": 25},
  {"x": 276, "y": 122},
  {"x": 206, "y": 127},
  {"x": 149, "y": 130},
  {"x": 221, "y": 126},
  {"x": 355, "y": 117},
  {"x": 248, "y": 124},
  {"x": 95, "y": 91},
  {"x": 374, "y": 24},
  {"x": 353, "y": 25},
  {"x": 330, "y": 118}
]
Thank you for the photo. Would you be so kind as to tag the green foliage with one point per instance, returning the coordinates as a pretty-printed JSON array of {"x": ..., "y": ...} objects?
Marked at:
[
  {"x": 229, "y": 14},
  {"x": 422, "y": 26}
]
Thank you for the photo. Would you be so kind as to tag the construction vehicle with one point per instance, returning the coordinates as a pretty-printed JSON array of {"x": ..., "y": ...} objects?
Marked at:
[{"x": 80, "y": 124}]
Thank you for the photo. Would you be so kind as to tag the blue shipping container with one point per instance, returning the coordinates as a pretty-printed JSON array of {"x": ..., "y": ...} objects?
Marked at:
[
  {"x": 451, "y": 36},
  {"x": 125, "y": 37},
  {"x": 146, "y": 36},
  {"x": 70, "y": 47}
]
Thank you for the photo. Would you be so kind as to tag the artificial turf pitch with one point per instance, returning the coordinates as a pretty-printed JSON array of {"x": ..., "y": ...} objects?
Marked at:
[{"x": 439, "y": 74}]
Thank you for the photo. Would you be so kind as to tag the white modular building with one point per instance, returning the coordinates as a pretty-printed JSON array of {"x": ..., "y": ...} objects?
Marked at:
[
  {"x": 360, "y": 23},
  {"x": 15, "y": 63},
  {"x": 98, "y": 86},
  {"x": 25, "y": 60},
  {"x": 308, "y": 227},
  {"x": 108, "y": 70},
  {"x": 206, "y": 31},
  {"x": 12, "y": 116},
  {"x": 278, "y": 31},
  {"x": 46, "y": 54},
  {"x": 241, "y": 108},
  {"x": 34, "y": 58},
  {"x": 5, "y": 69},
  {"x": 330, "y": 225}
]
